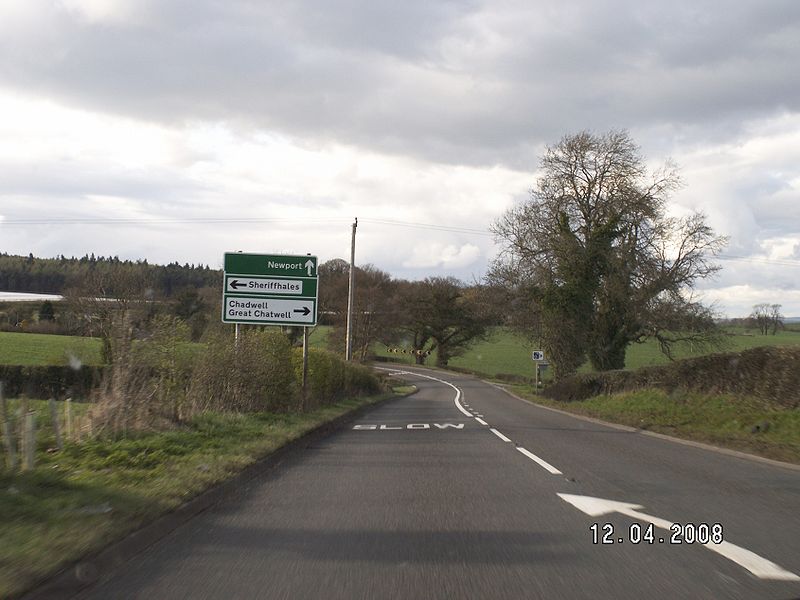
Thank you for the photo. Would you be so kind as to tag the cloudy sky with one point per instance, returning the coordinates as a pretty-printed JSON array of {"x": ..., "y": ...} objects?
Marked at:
[{"x": 181, "y": 129}]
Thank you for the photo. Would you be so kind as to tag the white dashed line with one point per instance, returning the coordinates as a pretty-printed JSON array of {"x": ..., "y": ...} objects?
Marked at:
[
  {"x": 500, "y": 435},
  {"x": 544, "y": 464}
]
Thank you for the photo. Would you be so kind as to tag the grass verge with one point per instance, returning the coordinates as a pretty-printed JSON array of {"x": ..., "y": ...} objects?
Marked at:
[
  {"x": 87, "y": 496},
  {"x": 738, "y": 423}
]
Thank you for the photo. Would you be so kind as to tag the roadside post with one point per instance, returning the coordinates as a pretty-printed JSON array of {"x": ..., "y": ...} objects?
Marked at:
[
  {"x": 537, "y": 356},
  {"x": 54, "y": 423},
  {"x": 271, "y": 289},
  {"x": 8, "y": 433}
]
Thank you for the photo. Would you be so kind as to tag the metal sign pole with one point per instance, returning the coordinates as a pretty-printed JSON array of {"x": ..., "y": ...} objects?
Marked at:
[
  {"x": 537, "y": 356},
  {"x": 305, "y": 363}
]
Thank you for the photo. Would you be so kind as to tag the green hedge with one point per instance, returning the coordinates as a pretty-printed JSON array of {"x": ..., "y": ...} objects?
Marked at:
[
  {"x": 263, "y": 374},
  {"x": 43, "y": 382},
  {"x": 330, "y": 378},
  {"x": 770, "y": 373},
  {"x": 257, "y": 375}
]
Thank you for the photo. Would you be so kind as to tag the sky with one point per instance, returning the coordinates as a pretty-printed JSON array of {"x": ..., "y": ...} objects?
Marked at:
[{"x": 177, "y": 130}]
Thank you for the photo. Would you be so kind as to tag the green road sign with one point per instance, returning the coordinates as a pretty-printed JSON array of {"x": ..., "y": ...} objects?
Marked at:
[{"x": 269, "y": 289}]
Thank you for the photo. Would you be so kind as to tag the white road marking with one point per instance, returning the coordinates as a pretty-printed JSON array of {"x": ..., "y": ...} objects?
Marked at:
[
  {"x": 458, "y": 391},
  {"x": 542, "y": 463},
  {"x": 481, "y": 421},
  {"x": 500, "y": 435},
  {"x": 758, "y": 566}
]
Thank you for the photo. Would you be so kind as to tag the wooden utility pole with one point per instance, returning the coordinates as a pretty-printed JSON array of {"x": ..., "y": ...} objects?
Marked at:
[{"x": 348, "y": 345}]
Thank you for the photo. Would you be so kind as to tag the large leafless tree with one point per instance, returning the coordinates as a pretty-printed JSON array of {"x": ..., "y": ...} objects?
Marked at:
[
  {"x": 593, "y": 261},
  {"x": 374, "y": 316}
]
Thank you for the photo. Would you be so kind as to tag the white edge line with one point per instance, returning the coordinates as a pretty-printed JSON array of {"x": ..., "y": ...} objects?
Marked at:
[
  {"x": 481, "y": 421},
  {"x": 542, "y": 463},
  {"x": 500, "y": 435},
  {"x": 458, "y": 391},
  {"x": 661, "y": 436}
]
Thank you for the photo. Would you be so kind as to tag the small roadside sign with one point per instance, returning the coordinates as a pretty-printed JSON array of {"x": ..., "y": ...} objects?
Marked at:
[
  {"x": 537, "y": 355},
  {"x": 270, "y": 289}
]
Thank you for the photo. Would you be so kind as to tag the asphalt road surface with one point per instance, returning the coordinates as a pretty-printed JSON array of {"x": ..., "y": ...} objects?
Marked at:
[{"x": 461, "y": 491}]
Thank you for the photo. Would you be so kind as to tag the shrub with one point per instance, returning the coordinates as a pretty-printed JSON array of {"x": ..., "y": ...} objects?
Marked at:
[
  {"x": 770, "y": 373},
  {"x": 258, "y": 375},
  {"x": 46, "y": 381},
  {"x": 330, "y": 378}
]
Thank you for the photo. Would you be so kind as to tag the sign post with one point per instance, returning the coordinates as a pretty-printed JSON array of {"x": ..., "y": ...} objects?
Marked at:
[
  {"x": 271, "y": 289},
  {"x": 538, "y": 357},
  {"x": 268, "y": 289}
]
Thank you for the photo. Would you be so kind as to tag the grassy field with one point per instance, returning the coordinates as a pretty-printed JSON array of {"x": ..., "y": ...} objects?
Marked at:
[
  {"x": 36, "y": 349},
  {"x": 505, "y": 352},
  {"x": 502, "y": 352},
  {"x": 78, "y": 500}
]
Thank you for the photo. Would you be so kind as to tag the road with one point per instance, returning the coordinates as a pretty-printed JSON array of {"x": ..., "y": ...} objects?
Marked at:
[{"x": 461, "y": 491}]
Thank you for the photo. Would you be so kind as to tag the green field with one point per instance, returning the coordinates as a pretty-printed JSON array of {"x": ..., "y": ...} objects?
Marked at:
[
  {"x": 503, "y": 352},
  {"x": 38, "y": 349},
  {"x": 506, "y": 352}
]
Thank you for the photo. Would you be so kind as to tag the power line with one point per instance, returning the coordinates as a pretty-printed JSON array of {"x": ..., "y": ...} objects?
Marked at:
[
  {"x": 783, "y": 262},
  {"x": 431, "y": 226},
  {"x": 160, "y": 221},
  {"x": 224, "y": 220},
  {"x": 778, "y": 262}
]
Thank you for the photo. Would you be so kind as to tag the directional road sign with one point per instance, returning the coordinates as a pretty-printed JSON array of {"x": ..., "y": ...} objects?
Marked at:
[
  {"x": 270, "y": 289},
  {"x": 537, "y": 355}
]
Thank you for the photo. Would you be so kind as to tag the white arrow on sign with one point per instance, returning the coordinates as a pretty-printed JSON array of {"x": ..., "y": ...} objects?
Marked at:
[
  {"x": 262, "y": 285},
  {"x": 758, "y": 566},
  {"x": 309, "y": 265},
  {"x": 269, "y": 310}
]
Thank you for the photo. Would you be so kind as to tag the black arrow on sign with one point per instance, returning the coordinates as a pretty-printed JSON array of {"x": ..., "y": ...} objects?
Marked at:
[
  {"x": 305, "y": 310},
  {"x": 236, "y": 284}
]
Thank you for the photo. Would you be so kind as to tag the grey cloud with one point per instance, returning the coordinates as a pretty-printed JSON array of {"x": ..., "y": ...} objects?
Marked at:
[
  {"x": 460, "y": 82},
  {"x": 380, "y": 75},
  {"x": 71, "y": 180}
]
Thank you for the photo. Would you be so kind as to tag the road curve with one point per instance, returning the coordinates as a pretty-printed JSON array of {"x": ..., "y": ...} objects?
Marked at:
[{"x": 462, "y": 491}]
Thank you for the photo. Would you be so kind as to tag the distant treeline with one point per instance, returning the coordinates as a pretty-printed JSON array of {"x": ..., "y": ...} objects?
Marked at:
[{"x": 57, "y": 275}]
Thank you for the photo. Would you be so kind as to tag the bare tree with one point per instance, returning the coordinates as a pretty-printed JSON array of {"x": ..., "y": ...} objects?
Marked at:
[
  {"x": 115, "y": 305},
  {"x": 373, "y": 314},
  {"x": 596, "y": 258},
  {"x": 442, "y": 314},
  {"x": 767, "y": 318},
  {"x": 775, "y": 317}
]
